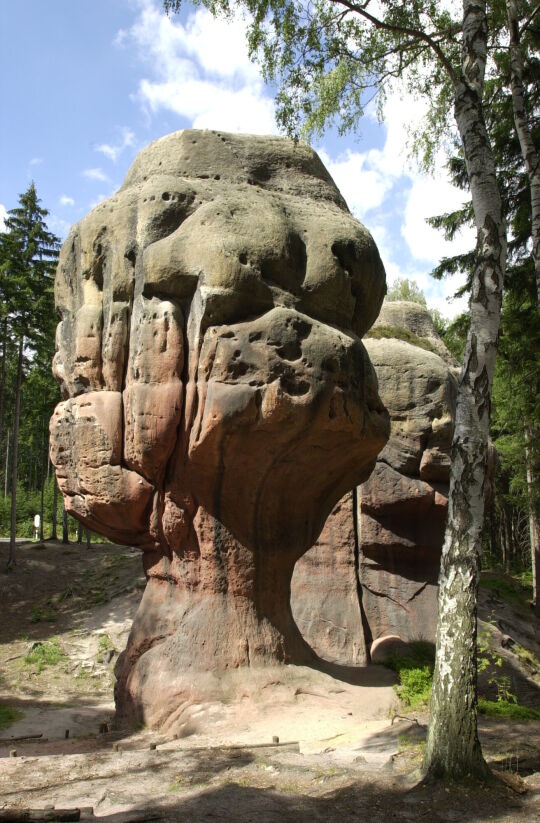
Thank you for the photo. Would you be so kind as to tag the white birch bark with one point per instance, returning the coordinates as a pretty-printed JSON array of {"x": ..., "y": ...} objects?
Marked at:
[{"x": 453, "y": 748}]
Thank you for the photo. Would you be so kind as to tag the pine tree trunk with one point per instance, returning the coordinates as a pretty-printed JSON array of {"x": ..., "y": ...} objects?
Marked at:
[
  {"x": 528, "y": 149},
  {"x": 88, "y": 538},
  {"x": 453, "y": 748},
  {"x": 79, "y": 532},
  {"x": 6, "y": 470},
  {"x": 534, "y": 526},
  {"x": 42, "y": 500},
  {"x": 54, "y": 535},
  {"x": 16, "y": 420},
  {"x": 65, "y": 531},
  {"x": 3, "y": 380}
]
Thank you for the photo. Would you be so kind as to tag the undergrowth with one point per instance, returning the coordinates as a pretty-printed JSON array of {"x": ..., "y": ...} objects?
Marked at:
[
  {"x": 47, "y": 653},
  {"x": 516, "y": 590},
  {"x": 507, "y": 708},
  {"x": 415, "y": 672}
]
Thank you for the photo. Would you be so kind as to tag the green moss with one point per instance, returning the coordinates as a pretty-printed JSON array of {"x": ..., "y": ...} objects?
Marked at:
[
  {"x": 507, "y": 709},
  {"x": 8, "y": 715},
  {"x": 400, "y": 333},
  {"x": 415, "y": 672}
]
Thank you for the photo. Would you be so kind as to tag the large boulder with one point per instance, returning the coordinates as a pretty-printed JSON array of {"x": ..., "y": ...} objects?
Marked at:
[
  {"x": 218, "y": 400},
  {"x": 372, "y": 576}
]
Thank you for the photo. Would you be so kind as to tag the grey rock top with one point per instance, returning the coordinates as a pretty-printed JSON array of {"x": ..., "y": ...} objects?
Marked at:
[
  {"x": 274, "y": 163},
  {"x": 415, "y": 318}
]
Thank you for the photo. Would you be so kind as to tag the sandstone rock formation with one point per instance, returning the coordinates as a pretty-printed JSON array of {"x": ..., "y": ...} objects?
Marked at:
[
  {"x": 218, "y": 400},
  {"x": 373, "y": 572}
]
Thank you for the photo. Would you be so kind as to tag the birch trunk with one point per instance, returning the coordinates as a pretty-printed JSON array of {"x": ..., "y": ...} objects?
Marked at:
[
  {"x": 16, "y": 420},
  {"x": 453, "y": 748},
  {"x": 528, "y": 149}
]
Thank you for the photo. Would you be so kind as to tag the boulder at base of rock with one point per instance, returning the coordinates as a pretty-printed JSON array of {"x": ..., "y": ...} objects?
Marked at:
[{"x": 218, "y": 400}]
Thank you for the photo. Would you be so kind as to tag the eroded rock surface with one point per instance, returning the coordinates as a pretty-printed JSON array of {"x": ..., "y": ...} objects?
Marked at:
[
  {"x": 390, "y": 529},
  {"x": 218, "y": 400}
]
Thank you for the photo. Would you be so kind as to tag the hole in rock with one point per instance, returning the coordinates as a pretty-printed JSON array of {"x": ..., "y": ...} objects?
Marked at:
[{"x": 296, "y": 388}]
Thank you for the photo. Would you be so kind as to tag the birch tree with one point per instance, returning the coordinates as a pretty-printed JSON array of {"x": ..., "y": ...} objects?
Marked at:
[{"x": 328, "y": 58}]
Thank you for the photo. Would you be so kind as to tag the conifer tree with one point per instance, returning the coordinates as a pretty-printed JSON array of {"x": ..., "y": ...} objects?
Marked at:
[{"x": 28, "y": 255}]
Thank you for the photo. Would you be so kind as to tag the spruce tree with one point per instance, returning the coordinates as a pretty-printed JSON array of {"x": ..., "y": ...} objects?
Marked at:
[{"x": 28, "y": 255}]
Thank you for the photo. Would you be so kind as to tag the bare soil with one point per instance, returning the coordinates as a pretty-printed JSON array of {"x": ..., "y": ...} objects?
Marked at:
[{"x": 343, "y": 753}]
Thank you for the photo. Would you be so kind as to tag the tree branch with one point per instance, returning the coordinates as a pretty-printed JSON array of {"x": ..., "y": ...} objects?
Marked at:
[
  {"x": 417, "y": 34},
  {"x": 529, "y": 19}
]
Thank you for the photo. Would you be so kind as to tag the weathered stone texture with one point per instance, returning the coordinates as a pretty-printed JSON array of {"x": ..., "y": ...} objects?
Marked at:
[
  {"x": 394, "y": 537},
  {"x": 218, "y": 400}
]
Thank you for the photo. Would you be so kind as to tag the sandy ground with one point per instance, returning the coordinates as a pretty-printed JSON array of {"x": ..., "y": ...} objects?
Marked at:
[{"x": 342, "y": 753}]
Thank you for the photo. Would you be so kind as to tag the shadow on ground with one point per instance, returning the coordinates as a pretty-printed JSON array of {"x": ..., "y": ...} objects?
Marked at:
[{"x": 358, "y": 802}]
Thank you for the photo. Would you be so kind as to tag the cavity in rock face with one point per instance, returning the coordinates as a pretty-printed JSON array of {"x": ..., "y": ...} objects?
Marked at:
[
  {"x": 371, "y": 578},
  {"x": 218, "y": 400}
]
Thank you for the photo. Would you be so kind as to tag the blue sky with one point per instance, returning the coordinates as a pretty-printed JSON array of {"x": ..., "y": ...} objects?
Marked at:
[{"x": 85, "y": 84}]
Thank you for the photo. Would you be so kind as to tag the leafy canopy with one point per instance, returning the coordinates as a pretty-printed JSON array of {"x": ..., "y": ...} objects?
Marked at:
[
  {"x": 404, "y": 289},
  {"x": 331, "y": 58}
]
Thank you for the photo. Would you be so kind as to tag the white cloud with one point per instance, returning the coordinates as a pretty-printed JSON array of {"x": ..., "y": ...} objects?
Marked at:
[
  {"x": 362, "y": 185},
  {"x": 3, "y": 215},
  {"x": 96, "y": 174},
  {"x": 36, "y": 161},
  {"x": 66, "y": 200},
  {"x": 113, "y": 152},
  {"x": 200, "y": 70},
  {"x": 429, "y": 197},
  {"x": 388, "y": 185}
]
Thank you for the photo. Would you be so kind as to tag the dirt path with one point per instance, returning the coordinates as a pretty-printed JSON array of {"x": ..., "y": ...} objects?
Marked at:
[{"x": 66, "y": 614}]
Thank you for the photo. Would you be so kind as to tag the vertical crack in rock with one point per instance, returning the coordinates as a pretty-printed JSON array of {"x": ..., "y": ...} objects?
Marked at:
[{"x": 368, "y": 639}]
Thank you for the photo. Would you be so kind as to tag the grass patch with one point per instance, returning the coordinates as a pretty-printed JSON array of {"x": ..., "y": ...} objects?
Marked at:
[
  {"x": 42, "y": 614},
  {"x": 8, "y": 715},
  {"x": 507, "y": 709},
  {"x": 400, "y": 333},
  {"x": 415, "y": 672},
  {"x": 105, "y": 643},
  {"x": 44, "y": 654}
]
